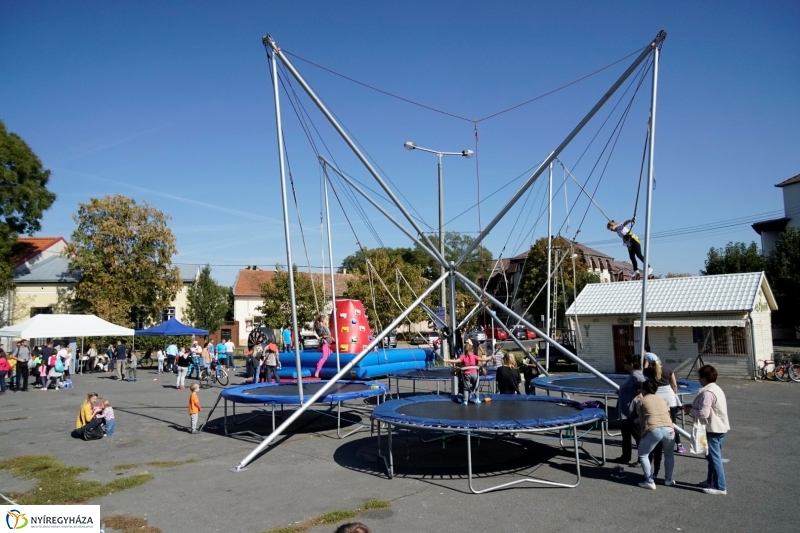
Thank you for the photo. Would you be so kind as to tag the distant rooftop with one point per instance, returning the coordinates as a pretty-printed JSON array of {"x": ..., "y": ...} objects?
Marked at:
[{"x": 790, "y": 181}]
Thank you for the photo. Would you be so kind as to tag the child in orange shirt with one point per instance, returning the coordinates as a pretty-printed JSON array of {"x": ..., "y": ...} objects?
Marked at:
[{"x": 194, "y": 406}]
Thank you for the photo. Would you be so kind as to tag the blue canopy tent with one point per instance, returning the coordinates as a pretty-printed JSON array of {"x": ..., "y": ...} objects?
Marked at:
[{"x": 171, "y": 328}]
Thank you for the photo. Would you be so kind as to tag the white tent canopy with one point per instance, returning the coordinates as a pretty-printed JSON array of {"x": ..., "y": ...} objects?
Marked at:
[{"x": 53, "y": 326}]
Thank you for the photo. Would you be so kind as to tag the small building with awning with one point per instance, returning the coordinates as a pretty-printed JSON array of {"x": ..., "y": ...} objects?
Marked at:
[{"x": 723, "y": 319}]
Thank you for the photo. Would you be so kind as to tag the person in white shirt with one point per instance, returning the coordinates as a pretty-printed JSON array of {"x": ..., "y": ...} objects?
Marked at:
[
  {"x": 229, "y": 349},
  {"x": 160, "y": 356}
]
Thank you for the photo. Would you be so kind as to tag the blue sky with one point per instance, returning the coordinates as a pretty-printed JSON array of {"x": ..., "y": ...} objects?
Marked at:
[{"x": 172, "y": 103}]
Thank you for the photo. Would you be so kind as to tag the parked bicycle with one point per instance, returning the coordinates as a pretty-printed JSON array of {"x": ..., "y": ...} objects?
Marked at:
[
  {"x": 788, "y": 370},
  {"x": 211, "y": 373},
  {"x": 146, "y": 361}
]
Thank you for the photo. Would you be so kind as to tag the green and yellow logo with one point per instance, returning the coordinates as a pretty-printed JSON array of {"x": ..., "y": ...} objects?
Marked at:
[{"x": 16, "y": 519}]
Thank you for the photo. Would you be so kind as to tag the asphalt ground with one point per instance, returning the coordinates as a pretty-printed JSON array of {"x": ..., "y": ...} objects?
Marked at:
[{"x": 310, "y": 472}]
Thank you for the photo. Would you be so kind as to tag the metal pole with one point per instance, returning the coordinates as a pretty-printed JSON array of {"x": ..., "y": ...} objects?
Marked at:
[
  {"x": 269, "y": 42},
  {"x": 443, "y": 349},
  {"x": 655, "y": 43},
  {"x": 649, "y": 205},
  {"x": 333, "y": 282},
  {"x": 286, "y": 226},
  {"x": 466, "y": 282},
  {"x": 549, "y": 261},
  {"x": 339, "y": 375}
]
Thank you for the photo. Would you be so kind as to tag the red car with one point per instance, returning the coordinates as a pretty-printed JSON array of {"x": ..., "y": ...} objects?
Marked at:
[
  {"x": 523, "y": 333},
  {"x": 496, "y": 333}
]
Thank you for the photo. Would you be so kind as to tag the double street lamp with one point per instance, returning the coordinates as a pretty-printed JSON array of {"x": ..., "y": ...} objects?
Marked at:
[{"x": 464, "y": 153}]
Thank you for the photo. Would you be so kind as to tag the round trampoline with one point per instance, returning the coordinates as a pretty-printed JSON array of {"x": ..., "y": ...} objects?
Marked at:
[
  {"x": 438, "y": 374},
  {"x": 285, "y": 393},
  {"x": 502, "y": 416},
  {"x": 594, "y": 386}
]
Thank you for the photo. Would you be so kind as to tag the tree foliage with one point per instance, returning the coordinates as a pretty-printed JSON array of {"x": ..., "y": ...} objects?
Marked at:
[
  {"x": 736, "y": 257},
  {"x": 23, "y": 197},
  {"x": 122, "y": 254},
  {"x": 277, "y": 309},
  {"x": 207, "y": 302},
  {"x": 380, "y": 307},
  {"x": 534, "y": 277},
  {"x": 783, "y": 273}
]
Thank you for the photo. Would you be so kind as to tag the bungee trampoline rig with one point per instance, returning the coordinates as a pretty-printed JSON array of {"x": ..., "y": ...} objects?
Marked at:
[{"x": 502, "y": 415}]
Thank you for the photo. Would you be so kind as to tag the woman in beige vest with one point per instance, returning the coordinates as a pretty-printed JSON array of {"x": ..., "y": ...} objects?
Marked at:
[{"x": 711, "y": 408}]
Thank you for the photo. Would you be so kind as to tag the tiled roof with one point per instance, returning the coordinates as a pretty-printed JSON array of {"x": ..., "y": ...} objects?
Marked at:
[
  {"x": 54, "y": 269},
  {"x": 249, "y": 282},
  {"x": 28, "y": 247},
  {"x": 724, "y": 293},
  {"x": 790, "y": 181}
]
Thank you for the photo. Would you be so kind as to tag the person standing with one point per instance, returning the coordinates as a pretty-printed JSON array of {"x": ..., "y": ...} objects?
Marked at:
[
  {"x": 710, "y": 408},
  {"x": 627, "y": 392},
  {"x": 530, "y": 369},
  {"x": 287, "y": 338},
  {"x": 160, "y": 357},
  {"x": 324, "y": 335},
  {"x": 230, "y": 349},
  {"x": 272, "y": 362},
  {"x": 5, "y": 367},
  {"x": 22, "y": 354},
  {"x": 120, "y": 356},
  {"x": 222, "y": 354},
  {"x": 508, "y": 375},
  {"x": 194, "y": 407},
  {"x": 183, "y": 368},
  {"x": 172, "y": 354},
  {"x": 657, "y": 428},
  {"x": 92, "y": 355},
  {"x": 132, "y": 362}
]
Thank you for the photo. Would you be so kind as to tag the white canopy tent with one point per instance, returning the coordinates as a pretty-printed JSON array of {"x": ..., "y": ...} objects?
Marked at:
[{"x": 54, "y": 326}]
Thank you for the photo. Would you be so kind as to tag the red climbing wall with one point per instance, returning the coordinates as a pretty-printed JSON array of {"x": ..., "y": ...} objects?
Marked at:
[{"x": 354, "y": 332}]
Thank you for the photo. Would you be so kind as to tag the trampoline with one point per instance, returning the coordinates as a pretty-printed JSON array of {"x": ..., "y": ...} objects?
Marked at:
[
  {"x": 504, "y": 416},
  {"x": 438, "y": 374},
  {"x": 595, "y": 387},
  {"x": 285, "y": 393}
]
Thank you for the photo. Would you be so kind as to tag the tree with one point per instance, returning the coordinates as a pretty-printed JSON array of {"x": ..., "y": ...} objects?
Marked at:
[
  {"x": 207, "y": 302},
  {"x": 736, "y": 257},
  {"x": 378, "y": 304},
  {"x": 783, "y": 273},
  {"x": 23, "y": 198},
  {"x": 277, "y": 309},
  {"x": 534, "y": 277},
  {"x": 122, "y": 253},
  {"x": 477, "y": 264}
]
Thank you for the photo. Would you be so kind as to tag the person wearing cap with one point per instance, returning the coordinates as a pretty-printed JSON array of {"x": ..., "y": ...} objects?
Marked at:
[{"x": 272, "y": 362}]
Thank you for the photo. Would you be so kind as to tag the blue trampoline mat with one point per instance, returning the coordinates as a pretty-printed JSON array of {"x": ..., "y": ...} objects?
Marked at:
[
  {"x": 503, "y": 412},
  {"x": 589, "y": 384},
  {"x": 439, "y": 373},
  {"x": 286, "y": 393}
]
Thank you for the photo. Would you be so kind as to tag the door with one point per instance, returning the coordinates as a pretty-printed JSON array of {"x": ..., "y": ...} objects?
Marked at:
[{"x": 623, "y": 346}]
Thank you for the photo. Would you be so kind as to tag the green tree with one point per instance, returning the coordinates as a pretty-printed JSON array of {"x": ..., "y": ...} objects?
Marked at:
[
  {"x": 122, "y": 253},
  {"x": 783, "y": 273},
  {"x": 380, "y": 307},
  {"x": 736, "y": 257},
  {"x": 23, "y": 198},
  {"x": 207, "y": 302},
  {"x": 277, "y": 309},
  {"x": 534, "y": 277},
  {"x": 478, "y": 264}
]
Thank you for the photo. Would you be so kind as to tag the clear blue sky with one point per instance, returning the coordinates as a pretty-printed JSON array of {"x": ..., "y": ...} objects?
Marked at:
[{"x": 172, "y": 103}]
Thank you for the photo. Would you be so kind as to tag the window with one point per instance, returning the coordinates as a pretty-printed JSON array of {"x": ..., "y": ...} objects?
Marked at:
[
  {"x": 258, "y": 321},
  {"x": 724, "y": 341},
  {"x": 41, "y": 311},
  {"x": 167, "y": 313}
]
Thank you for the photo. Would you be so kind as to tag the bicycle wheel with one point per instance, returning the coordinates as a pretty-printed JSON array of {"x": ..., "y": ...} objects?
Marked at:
[
  {"x": 222, "y": 377},
  {"x": 794, "y": 372},
  {"x": 146, "y": 363},
  {"x": 205, "y": 380}
]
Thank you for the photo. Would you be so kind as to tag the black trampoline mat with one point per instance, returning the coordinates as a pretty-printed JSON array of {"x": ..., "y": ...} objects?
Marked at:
[
  {"x": 589, "y": 383},
  {"x": 309, "y": 389},
  {"x": 487, "y": 411}
]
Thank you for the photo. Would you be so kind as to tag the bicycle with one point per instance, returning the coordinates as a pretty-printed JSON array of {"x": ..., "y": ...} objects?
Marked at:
[
  {"x": 211, "y": 373},
  {"x": 787, "y": 370},
  {"x": 146, "y": 362},
  {"x": 763, "y": 371}
]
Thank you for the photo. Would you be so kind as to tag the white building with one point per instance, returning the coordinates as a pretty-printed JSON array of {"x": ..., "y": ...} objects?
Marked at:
[
  {"x": 729, "y": 315},
  {"x": 770, "y": 229}
]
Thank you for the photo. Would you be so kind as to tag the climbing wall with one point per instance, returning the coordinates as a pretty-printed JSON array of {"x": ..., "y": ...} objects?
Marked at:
[{"x": 354, "y": 333}]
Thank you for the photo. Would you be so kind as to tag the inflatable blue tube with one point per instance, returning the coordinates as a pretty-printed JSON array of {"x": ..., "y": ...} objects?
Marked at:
[
  {"x": 368, "y": 372},
  {"x": 309, "y": 358},
  {"x": 291, "y": 372}
]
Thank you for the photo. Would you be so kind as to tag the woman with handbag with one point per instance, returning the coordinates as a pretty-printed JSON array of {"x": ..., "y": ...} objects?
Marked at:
[{"x": 710, "y": 409}]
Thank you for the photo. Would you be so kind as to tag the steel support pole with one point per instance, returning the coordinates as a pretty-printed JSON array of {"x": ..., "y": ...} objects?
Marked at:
[
  {"x": 467, "y": 283},
  {"x": 649, "y": 204},
  {"x": 442, "y": 346},
  {"x": 530, "y": 181},
  {"x": 549, "y": 261},
  {"x": 269, "y": 42},
  {"x": 333, "y": 280},
  {"x": 290, "y": 264},
  {"x": 323, "y": 391}
]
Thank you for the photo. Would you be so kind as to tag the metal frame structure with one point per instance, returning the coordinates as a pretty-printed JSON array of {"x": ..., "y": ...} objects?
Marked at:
[{"x": 451, "y": 274}]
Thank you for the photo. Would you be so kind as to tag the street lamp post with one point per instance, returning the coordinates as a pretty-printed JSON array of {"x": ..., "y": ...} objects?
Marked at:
[{"x": 464, "y": 153}]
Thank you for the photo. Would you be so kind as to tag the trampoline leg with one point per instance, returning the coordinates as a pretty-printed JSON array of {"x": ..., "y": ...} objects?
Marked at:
[
  {"x": 577, "y": 459},
  {"x": 388, "y": 464},
  {"x": 273, "y": 417},
  {"x": 225, "y": 417},
  {"x": 605, "y": 426}
]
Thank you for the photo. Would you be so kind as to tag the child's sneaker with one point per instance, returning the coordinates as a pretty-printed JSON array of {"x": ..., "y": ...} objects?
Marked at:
[
  {"x": 477, "y": 400},
  {"x": 648, "y": 485},
  {"x": 681, "y": 449},
  {"x": 465, "y": 402}
]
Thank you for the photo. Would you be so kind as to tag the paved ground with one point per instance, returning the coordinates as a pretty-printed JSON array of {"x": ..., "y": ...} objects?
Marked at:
[{"x": 310, "y": 472}]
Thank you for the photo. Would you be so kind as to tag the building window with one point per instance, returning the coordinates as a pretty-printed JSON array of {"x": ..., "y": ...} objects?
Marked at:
[
  {"x": 167, "y": 313},
  {"x": 724, "y": 341},
  {"x": 258, "y": 321},
  {"x": 41, "y": 311}
]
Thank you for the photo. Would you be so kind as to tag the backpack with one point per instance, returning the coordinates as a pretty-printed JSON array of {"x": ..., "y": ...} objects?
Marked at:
[{"x": 59, "y": 365}]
